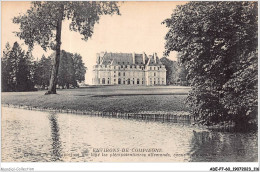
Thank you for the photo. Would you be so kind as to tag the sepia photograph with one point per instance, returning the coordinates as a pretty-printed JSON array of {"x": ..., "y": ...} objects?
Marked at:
[{"x": 129, "y": 82}]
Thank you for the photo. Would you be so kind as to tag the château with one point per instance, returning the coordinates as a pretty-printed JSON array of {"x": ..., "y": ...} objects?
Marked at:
[{"x": 128, "y": 69}]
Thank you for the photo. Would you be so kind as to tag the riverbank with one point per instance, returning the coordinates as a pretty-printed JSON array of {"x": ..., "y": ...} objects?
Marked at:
[{"x": 117, "y": 99}]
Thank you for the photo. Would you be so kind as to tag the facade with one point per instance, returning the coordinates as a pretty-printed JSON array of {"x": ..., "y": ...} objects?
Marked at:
[{"x": 128, "y": 69}]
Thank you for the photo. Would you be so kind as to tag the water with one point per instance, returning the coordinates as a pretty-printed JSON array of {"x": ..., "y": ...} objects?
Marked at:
[{"x": 34, "y": 136}]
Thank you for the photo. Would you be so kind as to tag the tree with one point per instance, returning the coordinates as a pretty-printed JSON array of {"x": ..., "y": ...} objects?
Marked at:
[
  {"x": 42, "y": 72},
  {"x": 79, "y": 66},
  {"x": 6, "y": 69},
  {"x": 171, "y": 70},
  {"x": 16, "y": 69},
  {"x": 66, "y": 76},
  {"x": 218, "y": 46},
  {"x": 175, "y": 72},
  {"x": 42, "y": 24},
  {"x": 182, "y": 74}
]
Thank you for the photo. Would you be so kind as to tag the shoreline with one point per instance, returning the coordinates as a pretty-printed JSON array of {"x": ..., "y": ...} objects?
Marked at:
[{"x": 176, "y": 116}]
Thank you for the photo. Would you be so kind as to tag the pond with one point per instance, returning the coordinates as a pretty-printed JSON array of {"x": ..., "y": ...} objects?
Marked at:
[{"x": 36, "y": 136}]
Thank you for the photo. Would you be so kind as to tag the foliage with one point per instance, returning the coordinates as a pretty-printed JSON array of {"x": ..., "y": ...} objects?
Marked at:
[
  {"x": 176, "y": 74},
  {"x": 42, "y": 24},
  {"x": 218, "y": 46},
  {"x": 72, "y": 70},
  {"x": 79, "y": 66},
  {"x": 42, "y": 72},
  {"x": 16, "y": 69},
  {"x": 171, "y": 69}
]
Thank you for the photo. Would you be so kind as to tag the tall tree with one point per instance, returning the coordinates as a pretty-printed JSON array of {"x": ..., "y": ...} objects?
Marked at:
[
  {"x": 171, "y": 70},
  {"x": 43, "y": 72},
  {"x": 218, "y": 45},
  {"x": 42, "y": 24},
  {"x": 79, "y": 67},
  {"x": 6, "y": 69},
  {"x": 66, "y": 76},
  {"x": 16, "y": 69}
]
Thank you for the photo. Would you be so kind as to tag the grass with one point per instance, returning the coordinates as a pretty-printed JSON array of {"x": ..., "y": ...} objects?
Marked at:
[{"x": 105, "y": 98}]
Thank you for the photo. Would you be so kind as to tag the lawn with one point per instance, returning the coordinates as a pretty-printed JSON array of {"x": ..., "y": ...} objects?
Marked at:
[{"x": 105, "y": 98}]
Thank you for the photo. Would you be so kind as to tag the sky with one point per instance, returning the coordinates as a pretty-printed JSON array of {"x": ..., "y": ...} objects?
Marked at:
[{"x": 138, "y": 29}]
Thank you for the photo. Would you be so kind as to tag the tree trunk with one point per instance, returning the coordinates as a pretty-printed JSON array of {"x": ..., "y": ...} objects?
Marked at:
[{"x": 56, "y": 61}]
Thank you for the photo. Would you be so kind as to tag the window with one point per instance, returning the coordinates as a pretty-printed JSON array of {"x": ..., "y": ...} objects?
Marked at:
[
  {"x": 154, "y": 82},
  {"x": 128, "y": 81},
  {"x": 107, "y": 80},
  {"x": 124, "y": 74},
  {"x": 138, "y": 81},
  {"x": 119, "y": 80},
  {"x": 154, "y": 74},
  {"x": 130, "y": 66},
  {"x": 150, "y": 68},
  {"x": 114, "y": 67},
  {"x": 122, "y": 66},
  {"x": 158, "y": 68},
  {"x": 133, "y": 81},
  {"x": 114, "y": 75},
  {"x": 103, "y": 81},
  {"x": 123, "y": 62},
  {"x": 98, "y": 80},
  {"x": 114, "y": 80},
  {"x": 119, "y": 74},
  {"x": 105, "y": 66}
]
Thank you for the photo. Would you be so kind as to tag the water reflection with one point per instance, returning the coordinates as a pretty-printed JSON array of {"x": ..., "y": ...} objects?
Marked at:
[
  {"x": 67, "y": 137},
  {"x": 55, "y": 136},
  {"x": 223, "y": 147}
]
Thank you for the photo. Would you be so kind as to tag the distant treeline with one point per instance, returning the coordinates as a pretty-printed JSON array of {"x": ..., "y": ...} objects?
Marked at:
[
  {"x": 175, "y": 74},
  {"x": 20, "y": 72}
]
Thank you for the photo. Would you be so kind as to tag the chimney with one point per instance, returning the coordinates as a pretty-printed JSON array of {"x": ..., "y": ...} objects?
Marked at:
[
  {"x": 143, "y": 58},
  {"x": 98, "y": 58},
  {"x": 155, "y": 56},
  {"x": 133, "y": 57}
]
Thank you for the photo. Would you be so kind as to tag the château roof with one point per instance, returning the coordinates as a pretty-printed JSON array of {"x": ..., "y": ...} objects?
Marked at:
[{"x": 105, "y": 58}]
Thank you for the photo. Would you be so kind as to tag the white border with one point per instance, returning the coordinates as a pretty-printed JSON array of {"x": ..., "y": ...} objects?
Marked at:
[{"x": 191, "y": 166}]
